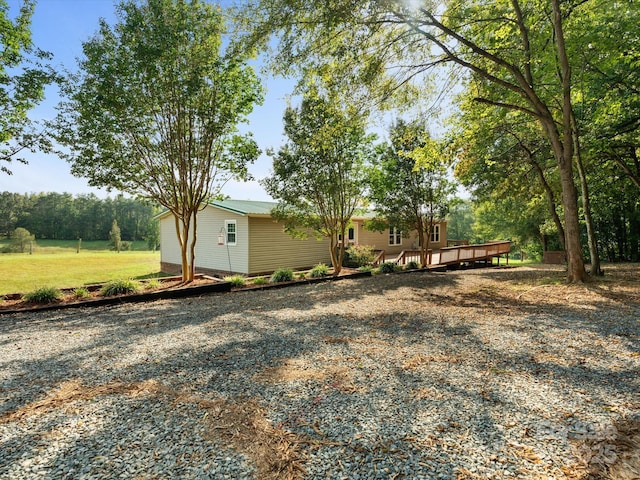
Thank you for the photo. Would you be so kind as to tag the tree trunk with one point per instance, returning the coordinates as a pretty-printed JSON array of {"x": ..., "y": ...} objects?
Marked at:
[
  {"x": 192, "y": 249},
  {"x": 182, "y": 234},
  {"x": 337, "y": 266},
  {"x": 563, "y": 150},
  {"x": 552, "y": 201},
  {"x": 424, "y": 251},
  {"x": 428, "y": 234},
  {"x": 596, "y": 270}
]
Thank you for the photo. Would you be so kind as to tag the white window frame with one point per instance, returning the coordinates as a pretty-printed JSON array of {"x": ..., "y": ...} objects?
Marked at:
[
  {"x": 227, "y": 223},
  {"x": 395, "y": 237},
  {"x": 435, "y": 233},
  {"x": 351, "y": 239}
]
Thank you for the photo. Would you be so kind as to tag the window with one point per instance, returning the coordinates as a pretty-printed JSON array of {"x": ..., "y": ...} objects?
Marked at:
[
  {"x": 230, "y": 228},
  {"x": 395, "y": 236},
  {"x": 351, "y": 236},
  {"x": 435, "y": 233}
]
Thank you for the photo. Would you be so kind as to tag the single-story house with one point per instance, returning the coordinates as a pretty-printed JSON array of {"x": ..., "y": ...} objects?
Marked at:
[{"x": 240, "y": 236}]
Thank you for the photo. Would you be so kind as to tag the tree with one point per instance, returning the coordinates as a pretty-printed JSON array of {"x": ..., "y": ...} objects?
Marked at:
[
  {"x": 514, "y": 54},
  {"x": 460, "y": 221},
  {"x": 115, "y": 240},
  {"x": 12, "y": 207},
  {"x": 23, "y": 78},
  {"x": 155, "y": 107},
  {"x": 318, "y": 174},
  {"x": 408, "y": 183},
  {"x": 152, "y": 235},
  {"x": 500, "y": 155},
  {"x": 20, "y": 239}
]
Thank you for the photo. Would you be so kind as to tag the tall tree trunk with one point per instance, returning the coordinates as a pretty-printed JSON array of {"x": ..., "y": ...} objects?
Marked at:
[
  {"x": 428, "y": 234},
  {"x": 337, "y": 266},
  {"x": 595, "y": 270},
  {"x": 192, "y": 249},
  {"x": 563, "y": 149},
  {"x": 551, "y": 199},
  {"x": 182, "y": 232},
  {"x": 424, "y": 250}
]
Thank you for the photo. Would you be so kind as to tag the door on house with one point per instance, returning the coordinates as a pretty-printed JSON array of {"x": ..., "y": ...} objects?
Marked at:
[{"x": 351, "y": 236}]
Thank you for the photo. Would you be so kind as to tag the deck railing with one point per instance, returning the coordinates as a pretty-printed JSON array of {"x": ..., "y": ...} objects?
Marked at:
[
  {"x": 407, "y": 256},
  {"x": 379, "y": 257},
  {"x": 470, "y": 253}
]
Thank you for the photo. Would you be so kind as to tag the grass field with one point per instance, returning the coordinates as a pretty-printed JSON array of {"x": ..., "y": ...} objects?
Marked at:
[{"x": 57, "y": 264}]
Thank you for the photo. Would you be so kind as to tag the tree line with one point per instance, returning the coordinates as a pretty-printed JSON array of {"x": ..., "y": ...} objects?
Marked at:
[{"x": 62, "y": 216}]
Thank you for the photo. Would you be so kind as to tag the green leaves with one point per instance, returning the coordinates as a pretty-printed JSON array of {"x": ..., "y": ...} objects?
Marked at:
[
  {"x": 156, "y": 98},
  {"x": 318, "y": 174},
  {"x": 24, "y": 75}
]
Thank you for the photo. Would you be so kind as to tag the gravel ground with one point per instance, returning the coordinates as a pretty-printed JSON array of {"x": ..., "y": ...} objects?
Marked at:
[{"x": 492, "y": 373}]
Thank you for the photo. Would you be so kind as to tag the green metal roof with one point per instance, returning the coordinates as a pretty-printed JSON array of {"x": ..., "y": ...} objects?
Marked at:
[
  {"x": 245, "y": 207},
  {"x": 253, "y": 207}
]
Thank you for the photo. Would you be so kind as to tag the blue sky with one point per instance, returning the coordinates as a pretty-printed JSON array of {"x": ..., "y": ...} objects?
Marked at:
[{"x": 60, "y": 27}]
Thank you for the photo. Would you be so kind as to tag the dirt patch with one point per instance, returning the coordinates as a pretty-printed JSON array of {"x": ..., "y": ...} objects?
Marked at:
[{"x": 298, "y": 369}]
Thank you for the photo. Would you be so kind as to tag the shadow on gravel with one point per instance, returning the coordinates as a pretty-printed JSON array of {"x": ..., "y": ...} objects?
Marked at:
[{"x": 450, "y": 379}]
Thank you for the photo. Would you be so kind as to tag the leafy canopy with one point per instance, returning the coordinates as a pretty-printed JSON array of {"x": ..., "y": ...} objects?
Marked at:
[
  {"x": 318, "y": 173},
  {"x": 155, "y": 108},
  {"x": 24, "y": 74}
]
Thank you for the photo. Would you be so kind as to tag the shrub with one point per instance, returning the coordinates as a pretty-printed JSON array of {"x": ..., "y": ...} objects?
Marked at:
[
  {"x": 320, "y": 270},
  {"x": 259, "y": 281},
  {"x": 81, "y": 292},
  {"x": 301, "y": 275},
  {"x": 281, "y": 275},
  {"x": 412, "y": 265},
  {"x": 358, "y": 255},
  {"x": 236, "y": 280},
  {"x": 388, "y": 267},
  {"x": 366, "y": 268},
  {"x": 126, "y": 246},
  {"x": 119, "y": 287},
  {"x": 152, "y": 284},
  {"x": 43, "y": 295}
]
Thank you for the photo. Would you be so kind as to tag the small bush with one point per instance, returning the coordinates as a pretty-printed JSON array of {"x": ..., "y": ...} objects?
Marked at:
[
  {"x": 320, "y": 270},
  {"x": 260, "y": 281},
  {"x": 126, "y": 246},
  {"x": 43, "y": 295},
  {"x": 236, "y": 280},
  {"x": 281, "y": 275},
  {"x": 412, "y": 265},
  {"x": 152, "y": 284},
  {"x": 301, "y": 275},
  {"x": 119, "y": 287},
  {"x": 366, "y": 268},
  {"x": 388, "y": 267},
  {"x": 81, "y": 292},
  {"x": 358, "y": 255}
]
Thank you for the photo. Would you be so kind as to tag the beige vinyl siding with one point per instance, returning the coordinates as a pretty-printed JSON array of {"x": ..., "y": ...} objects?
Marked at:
[
  {"x": 443, "y": 237},
  {"x": 380, "y": 240},
  {"x": 210, "y": 255},
  {"x": 271, "y": 248}
]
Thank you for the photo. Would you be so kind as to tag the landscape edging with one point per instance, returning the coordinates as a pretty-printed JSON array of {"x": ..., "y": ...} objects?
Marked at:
[{"x": 218, "y": 287}]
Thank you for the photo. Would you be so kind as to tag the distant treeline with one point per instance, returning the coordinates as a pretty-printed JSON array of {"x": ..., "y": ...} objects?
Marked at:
[{"x": 61, "y": 216}]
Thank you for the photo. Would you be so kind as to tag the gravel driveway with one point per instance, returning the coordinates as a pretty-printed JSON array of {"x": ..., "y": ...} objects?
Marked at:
[{"x": 493, "y": 373}]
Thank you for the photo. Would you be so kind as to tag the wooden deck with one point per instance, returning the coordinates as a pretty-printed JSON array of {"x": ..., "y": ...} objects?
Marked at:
[{"x": 454, "y": 256}]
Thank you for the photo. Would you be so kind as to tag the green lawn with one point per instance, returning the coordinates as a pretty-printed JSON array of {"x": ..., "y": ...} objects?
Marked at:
[{"x": 54, "y": 264}]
